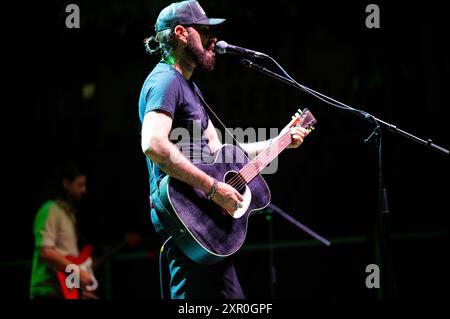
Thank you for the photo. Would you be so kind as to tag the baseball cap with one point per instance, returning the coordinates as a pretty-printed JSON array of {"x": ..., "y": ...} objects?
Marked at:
[{"x": 184, "y": 13}]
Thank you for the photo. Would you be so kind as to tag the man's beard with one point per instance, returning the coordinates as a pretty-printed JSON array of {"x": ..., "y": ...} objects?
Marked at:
[
  {"x": 74, "y": 199},
  {"x": 201, "y": 58}
]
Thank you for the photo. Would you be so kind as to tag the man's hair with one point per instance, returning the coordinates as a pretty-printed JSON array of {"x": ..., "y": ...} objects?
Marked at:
[
  {"x": 162, "y": 44},
  {"x": 53, "y": 187}
]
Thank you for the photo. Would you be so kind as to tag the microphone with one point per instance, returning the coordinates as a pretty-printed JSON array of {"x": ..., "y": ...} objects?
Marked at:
[{"x": 222, "y": 47}]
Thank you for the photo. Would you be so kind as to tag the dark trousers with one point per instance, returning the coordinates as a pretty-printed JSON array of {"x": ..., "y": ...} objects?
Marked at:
[{"x": 190, "y": 280}]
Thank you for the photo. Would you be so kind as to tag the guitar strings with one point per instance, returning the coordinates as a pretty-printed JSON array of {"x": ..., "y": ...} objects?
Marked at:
[
  {"x": 239, "y": 180},
  {"x": 250, "y": 168},
  {"x": 251, "y": 171}
]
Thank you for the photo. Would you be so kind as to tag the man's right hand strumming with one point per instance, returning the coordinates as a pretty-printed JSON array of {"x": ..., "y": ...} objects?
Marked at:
[{"x": 227, "y": 197}]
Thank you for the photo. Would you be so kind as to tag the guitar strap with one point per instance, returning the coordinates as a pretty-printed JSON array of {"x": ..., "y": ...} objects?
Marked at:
[{"x": 197, "y": 91}]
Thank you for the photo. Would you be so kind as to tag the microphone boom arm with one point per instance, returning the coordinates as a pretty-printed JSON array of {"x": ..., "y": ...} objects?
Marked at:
[{"x": 365, "y": 115}]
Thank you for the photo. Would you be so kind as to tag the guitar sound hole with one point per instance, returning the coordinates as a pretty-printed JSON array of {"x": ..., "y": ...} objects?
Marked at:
[{"x": 236, "y": 180}]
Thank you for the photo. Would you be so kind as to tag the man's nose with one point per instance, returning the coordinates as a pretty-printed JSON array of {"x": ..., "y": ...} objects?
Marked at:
[{"x": 213, "y": 40}]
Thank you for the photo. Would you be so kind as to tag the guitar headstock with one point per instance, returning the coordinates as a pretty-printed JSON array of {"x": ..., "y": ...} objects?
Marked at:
[{"x": 303, "y": 119}]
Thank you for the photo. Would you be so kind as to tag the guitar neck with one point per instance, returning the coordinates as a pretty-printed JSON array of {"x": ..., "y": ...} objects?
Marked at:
[
  {"x": 110, "y": 253},
  {"x": 253, "y": 168}
]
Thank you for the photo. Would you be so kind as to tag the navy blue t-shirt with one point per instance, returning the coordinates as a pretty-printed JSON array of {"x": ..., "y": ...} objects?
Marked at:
[{"x": 165, "y": 89}]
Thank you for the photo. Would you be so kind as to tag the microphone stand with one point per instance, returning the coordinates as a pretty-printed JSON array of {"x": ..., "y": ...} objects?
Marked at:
[
  {"x": 270, "y": 209},
  {"x": 375, "y": 136}
]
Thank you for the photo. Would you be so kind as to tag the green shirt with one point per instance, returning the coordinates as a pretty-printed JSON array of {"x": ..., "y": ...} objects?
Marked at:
[{"x": 54, "y": 226}]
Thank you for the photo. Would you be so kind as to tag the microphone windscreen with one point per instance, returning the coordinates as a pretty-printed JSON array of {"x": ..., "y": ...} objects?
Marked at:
[{"x": 221, "y": 47}]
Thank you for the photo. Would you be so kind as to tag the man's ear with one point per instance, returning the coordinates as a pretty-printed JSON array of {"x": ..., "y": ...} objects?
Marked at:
[
  {"x": 66, "y": 183},
  {"x": 181, "y": 33}
]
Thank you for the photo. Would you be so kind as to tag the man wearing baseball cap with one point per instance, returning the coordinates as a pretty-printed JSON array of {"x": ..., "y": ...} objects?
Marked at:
[
  {"x": 170, "y": 100},
  {"x": 183, "y": 13}
]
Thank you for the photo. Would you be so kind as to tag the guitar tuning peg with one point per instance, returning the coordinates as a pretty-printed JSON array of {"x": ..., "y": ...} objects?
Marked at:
[{"x": 297, "y": 114}]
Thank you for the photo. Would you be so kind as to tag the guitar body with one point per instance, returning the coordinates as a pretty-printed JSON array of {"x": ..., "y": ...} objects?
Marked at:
[
  {"x": 200, "y": 228},
  {"x": 84, "y": 260}
]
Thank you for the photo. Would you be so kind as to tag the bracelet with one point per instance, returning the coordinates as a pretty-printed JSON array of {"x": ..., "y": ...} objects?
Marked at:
[{"x": 213, "y": 190}]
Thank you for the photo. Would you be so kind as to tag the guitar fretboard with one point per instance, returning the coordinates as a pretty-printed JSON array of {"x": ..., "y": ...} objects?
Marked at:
[
  {"x": 249, "y": 171},
  {"x": 254, "y": 167}
]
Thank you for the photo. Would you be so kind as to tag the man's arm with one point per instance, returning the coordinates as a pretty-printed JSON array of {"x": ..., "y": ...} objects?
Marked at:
[
  {"x": 253, "y": 149},
  {"x": 156, "y": 145},
  {"x": 55, "y": 258},
  {"x": 213, "y": 139}
]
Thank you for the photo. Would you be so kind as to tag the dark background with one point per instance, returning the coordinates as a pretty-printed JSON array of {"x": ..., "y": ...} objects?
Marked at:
[{"x": 398, "y": 73}]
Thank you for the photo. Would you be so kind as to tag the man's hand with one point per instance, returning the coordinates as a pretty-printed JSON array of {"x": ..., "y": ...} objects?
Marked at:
[
  {"x": 227, "y": 197},
  {"x": 85, "y": 278},
  {"x": 298, "y": 134},
  {"x": 88, "y": 295}
]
